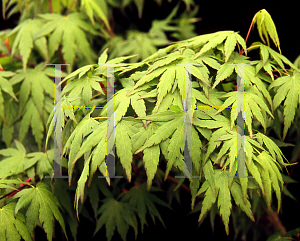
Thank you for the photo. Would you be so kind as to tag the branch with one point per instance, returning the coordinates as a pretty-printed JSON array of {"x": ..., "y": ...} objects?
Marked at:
[
  {"x": 22, "y": 186},
  {"x": 50, "y": 6},
  {"x": 15, "y": 55},
  {"x": 276, "y": 222}
]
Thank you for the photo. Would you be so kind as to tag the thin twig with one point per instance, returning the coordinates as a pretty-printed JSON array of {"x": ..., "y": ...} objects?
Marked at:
[
  {"x": 242, "y": 51},
  {"x": 50, "y": 6},
  {"x": 70, "y": 7}
]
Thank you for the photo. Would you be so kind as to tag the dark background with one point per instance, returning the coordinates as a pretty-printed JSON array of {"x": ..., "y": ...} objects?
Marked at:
[{"x": 216, "y": 16}]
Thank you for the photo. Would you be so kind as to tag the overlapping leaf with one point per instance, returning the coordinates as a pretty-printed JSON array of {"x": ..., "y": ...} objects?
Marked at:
[
  {"x": 266, "y": 27},
  {"x": 288, "y": 89},
  {"x": 68, "y": 31},
  {"x": 43, "y": 208},
  {"x": 254, "y": 104},
  {"x": 92, "y": 6},
  {"x": 5, "y": 86},
  {"x": 217, "y": 38},
  {"x": 74, "y": 142},
  {"x": 15, "y": 162},
  {"x": 6, "y": 183},
  {"x": 33, "y": 103},
  {"x": 115, "y": 214},
  {"x": 144, "y": 201},
  {"x": 12, "y": 227},
  {"x": 25, "y": 40}
]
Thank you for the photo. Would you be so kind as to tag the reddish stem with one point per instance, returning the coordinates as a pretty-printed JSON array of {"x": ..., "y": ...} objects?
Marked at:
[
  {"x": 50, "y": 6},
  {"x": 242, "y": 51}
]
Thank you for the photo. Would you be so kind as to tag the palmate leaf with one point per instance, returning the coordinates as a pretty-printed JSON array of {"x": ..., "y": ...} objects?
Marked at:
[
  {"x": 172, "y": 75},
  {"x": 25, "y": 40},
  {"x": 288, "y": 89},
  {"x": 5, "y": 86},
  {"x": 74, "y": 142},
  {"x": 115, "y": 214},
  {"x": 31, "y": 118},
  {"x": 43, "y": 208},
  {"x": 272, "y": 148},
  {"x": 226, "y": 69},
  {"x": 122, "y": 101},
  {"x": 68, "y": 31},
  {"x": 164, "y": 131},
  {"x": 271, "y": 177},
  {"x": 124, "y": 131},
  {"x": 34, "y": 83},
  {"x": 266, "y": 27},
  {"x": 268, "y": 53},
  {"x": 33, "y": 102},
  {"x": 61, "y": 113},
  {"x": 96, "y": 143},
  {"x": 236, "y": 192},
  {"x": 210, "y": 195},
  {"x": 143, "y": 201},
  {"x": 12, "y": 227},
  {"x": 254, "y": 104},
  {"x": 16, "y": 161},
  {"x": 224, "y": 199},
  {"x": 92, "y": 6},
  {"x": 151, "y": 154},
  {"x": 43, "y": 161},
  {"x": 175, "y": 128},
  {"x": 217, "y": 38},
  {"x": 251, "y": 77},
  {"x": 83, "y": 87},
  {"x": 96, "y": 159}
]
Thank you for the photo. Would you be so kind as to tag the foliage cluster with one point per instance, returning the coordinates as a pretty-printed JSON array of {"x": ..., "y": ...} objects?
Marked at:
[{"x": 149, "y": 119}]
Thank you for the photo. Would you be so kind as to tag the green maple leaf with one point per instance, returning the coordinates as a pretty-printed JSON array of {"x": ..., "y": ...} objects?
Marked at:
[
  {"x": 43, "y": 161},
  {"x": 210, "y": 195},
  {"x": 122, "y": 101},
  {"x": 254, "y": 105},
  {"x": 143, "y": 201},
  {"x": 25, "y": 40},
  {"x": 33, "y": 102},
  {"x": 16, "y": 161},
  {"x": 174, "y": 124},
  {"x": 266, "y": 27},
  {"x": 12, "y": 227},
  {"x": 236, "y": 192},
  {"x": 61, "y": 113},
  {"x": 68, "y": 31},
  {"x": 213, "y": 40},
  {"x": 224, "y": 199},
  {"x": 269, "y": 54},
  {"x": 6, "y": 86},
  {"x": 124, "y": 132},
  {"x": 92, "y": 6},
  {"x": 43, "y": 208},
  {"x": 151, "y": 154},
  {"x": 96, "y": 142},
  {"x": 288, "y": 89},
  {"x": 83, "y": 86},
  {"x": 256, "y": 79},
  {"x": 271, "y": 177},
  {"x": 230, "y": 44},
  {"x": 74, "y": 142},
  {"x": 115, "y": 214}
]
